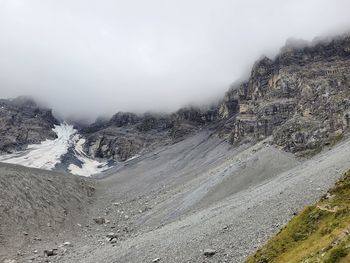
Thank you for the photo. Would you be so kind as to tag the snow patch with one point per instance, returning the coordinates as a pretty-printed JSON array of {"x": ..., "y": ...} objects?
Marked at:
[
  {"x": 132, "y": 158},
  {"x": 46, "y": 154},
  {"x": 49, "y": 153},
  {"x": 89, "y": 166}
]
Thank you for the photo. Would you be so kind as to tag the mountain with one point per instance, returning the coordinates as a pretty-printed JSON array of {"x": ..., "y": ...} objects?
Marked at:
[
  {"x": 23, "y": 122},
  {"x": 301, "y": 98},
  {"x": 86, "y": 150},
  {"x": 126, "y": 134},
  {"x": 326, "y": 221},
  {"x": 208, "y": 184},
  {"x": 174, "y": 203}
]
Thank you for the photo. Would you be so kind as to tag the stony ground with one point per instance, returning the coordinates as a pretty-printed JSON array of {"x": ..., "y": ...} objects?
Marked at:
[
  {"x": 38, "y": 207},
  {"x": 200, "y": 200}
]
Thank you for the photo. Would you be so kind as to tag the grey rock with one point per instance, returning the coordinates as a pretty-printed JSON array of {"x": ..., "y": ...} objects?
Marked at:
[
  {"x": 23, "y": 122},
  {"x": 113, "y": 240},
  {"x": 50, "y": 252},
  {"x": 112, "y": 235},
  {"x": 99, "y": 220},
  {"x": 67, "y": 244},
  {"x": 126, "y": 135},
  {"x": 301, "y": 98},
  {"x": 209, "y": 252}
]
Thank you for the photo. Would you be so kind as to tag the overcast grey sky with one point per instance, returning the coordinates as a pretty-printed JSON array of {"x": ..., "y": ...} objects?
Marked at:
[{"x": 88, "y": 58}]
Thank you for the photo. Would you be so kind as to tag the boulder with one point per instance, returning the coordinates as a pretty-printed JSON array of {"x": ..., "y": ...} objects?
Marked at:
[
  {"x": 50, "y": 252},
  {"x": 99, "y": 220},
  {"x": 209, "y": 252}
]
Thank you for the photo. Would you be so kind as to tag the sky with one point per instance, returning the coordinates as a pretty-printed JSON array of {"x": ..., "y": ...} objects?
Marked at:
[{"x": 87, "y": 58}]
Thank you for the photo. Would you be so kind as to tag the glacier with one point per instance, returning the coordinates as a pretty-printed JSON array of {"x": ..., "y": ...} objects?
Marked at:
[{"x": 48, "y": 154}]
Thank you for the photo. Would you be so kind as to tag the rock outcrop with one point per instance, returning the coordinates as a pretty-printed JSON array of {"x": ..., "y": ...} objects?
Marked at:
[
  {"x": 126, "y": 134},
  {"x": 23, "y": 122},
  {"x": 302, "y": 98}
]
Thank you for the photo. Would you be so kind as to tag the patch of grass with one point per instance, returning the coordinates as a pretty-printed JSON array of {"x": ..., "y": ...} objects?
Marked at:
[
  {"x": 336, "y": 255},
  {"x": 317, "y": 148},
  {"x": 308, "y": 153},
  {"x": 320, "y": 233},
  {"x": 335, "y": 139}
]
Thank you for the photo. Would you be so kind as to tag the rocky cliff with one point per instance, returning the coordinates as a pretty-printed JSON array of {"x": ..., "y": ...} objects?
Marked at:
[
  {"x": 126, "y": 134},
  {"x": 302, "y": 98},
  {"x": 23, "y": 122}
]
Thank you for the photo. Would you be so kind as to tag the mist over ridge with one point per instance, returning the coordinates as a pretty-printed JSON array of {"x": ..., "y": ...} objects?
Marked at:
[{"x": 136, "y": 56}]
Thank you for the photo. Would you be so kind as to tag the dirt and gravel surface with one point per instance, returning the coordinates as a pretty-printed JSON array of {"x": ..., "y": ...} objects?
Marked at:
[
  {"x": 200, "y": 200},
  {"x": 38, "y": 207}
]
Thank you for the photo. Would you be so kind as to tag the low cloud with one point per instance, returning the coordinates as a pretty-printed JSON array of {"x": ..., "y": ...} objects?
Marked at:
[{"x": 88, "y": 58}]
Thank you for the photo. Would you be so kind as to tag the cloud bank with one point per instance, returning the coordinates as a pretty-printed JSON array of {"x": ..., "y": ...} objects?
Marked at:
[{"x": 86, "y": 58}]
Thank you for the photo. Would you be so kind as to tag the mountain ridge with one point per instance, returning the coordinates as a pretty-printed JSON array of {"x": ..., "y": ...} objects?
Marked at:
[
  {"x": 201, "y": 185},
  {"x": 301, "y": 98}
]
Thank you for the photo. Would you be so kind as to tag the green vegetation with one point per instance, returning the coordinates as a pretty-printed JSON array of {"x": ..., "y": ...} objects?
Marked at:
[
  {"x": 336, "y": 255},
  {"x": 330, "y": 142},
  {"x": 320, "y": 233},
  {"x": 335, "y": 139}
]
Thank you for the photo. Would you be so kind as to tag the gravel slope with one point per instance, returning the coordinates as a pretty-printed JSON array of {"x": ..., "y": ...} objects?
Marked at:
[
  {"x": 236, "y": 225},
  {"x": 197, "y": 194},
  {"x": 39, "y": 208}
]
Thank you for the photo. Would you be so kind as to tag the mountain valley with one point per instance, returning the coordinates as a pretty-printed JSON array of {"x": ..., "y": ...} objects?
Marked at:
[{"x": 208, "y": 184}]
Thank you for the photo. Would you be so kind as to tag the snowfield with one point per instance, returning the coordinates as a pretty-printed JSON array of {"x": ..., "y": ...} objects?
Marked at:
[
  {"x": 46, "y": 154},
  {"x": 49, "y": 153},
  {"x": 88, "y": 166}
]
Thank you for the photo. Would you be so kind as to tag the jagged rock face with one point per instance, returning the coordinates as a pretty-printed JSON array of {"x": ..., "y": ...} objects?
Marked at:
[
  {"x": 302, "y": 98},
  {"x": 151, "y": 122},
  {"x": 127, "y": 134},
  {"x": 22, "y": 122}
]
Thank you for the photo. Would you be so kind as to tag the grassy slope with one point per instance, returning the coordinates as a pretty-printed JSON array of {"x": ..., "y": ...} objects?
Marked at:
[{"x": 320, "y": 233}]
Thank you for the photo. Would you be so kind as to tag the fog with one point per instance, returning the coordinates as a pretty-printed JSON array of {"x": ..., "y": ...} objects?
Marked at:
[{"x": 86, "y": 58}]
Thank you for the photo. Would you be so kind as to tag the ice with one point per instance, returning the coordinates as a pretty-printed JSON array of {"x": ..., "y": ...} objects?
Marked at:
[
  {"x": 132, "y": 158},
  {"x": 49, "y": 153},
  {"x": 46, "y": 154},
  {"x": 89, "y": 166}
]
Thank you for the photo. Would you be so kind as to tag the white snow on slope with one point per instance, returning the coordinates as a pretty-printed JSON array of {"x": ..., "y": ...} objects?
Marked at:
[
  {"x": 89, "y": 166},
  {"x": 46, "y": 154},
  {"x": 49, "y": 153}
]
